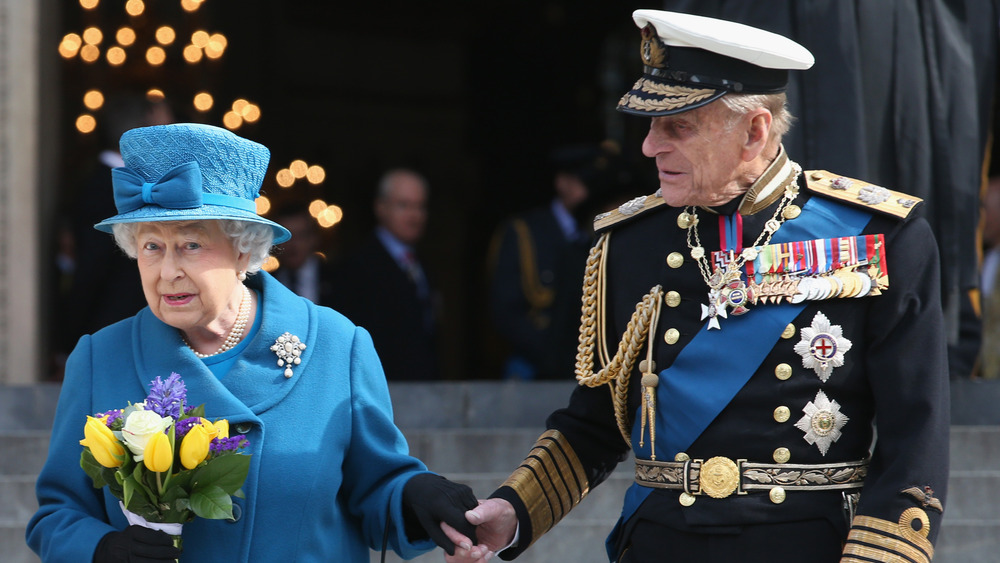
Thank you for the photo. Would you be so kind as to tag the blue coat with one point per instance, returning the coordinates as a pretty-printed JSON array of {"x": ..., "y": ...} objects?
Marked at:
[{"x": 328, "y": 462}]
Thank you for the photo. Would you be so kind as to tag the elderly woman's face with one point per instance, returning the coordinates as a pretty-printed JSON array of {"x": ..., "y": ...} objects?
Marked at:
[{"x": 189, "y": 271}]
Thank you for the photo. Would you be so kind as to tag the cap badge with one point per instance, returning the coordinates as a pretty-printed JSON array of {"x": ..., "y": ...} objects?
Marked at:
[
  {"x": 653, "y": 53},
  {"x": 822, "y": 422},
  {"x": 822, "y": 346}
]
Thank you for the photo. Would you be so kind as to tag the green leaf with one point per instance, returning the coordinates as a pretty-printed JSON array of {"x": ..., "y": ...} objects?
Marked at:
[
  {"x": 226, "y": 472},
  {"x": 93, "y": 469},
  {"x": 212, "y": 502}
]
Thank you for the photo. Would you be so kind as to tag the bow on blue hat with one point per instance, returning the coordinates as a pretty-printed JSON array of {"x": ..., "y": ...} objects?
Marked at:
[{"x": 179, "y": 188}]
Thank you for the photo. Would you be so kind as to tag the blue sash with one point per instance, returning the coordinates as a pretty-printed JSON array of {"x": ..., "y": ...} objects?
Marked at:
[{"x": 716, "y": 364}]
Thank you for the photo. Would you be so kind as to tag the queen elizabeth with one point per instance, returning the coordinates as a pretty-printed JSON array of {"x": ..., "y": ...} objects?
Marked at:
[{"x": 330, "y": 476}]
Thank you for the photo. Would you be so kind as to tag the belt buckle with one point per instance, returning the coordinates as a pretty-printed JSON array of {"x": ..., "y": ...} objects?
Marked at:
[{"x": 719, "y": 477}]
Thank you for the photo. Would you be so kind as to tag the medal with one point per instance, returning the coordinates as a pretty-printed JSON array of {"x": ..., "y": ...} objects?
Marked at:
[{"x": 822, "y": 347}]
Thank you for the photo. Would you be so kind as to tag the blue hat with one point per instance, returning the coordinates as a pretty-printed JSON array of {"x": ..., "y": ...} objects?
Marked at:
[
  {"x": 189, "y": 172},
  {"x": 690, "y": 61}
]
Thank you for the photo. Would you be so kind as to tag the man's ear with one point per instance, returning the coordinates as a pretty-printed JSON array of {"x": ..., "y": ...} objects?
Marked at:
[{"x": 758, "y": 131}]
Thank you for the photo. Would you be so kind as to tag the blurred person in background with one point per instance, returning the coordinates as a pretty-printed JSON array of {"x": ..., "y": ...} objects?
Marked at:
[
  {"x": 382, "y": 286},
  {"x": 537, "y": 259}
]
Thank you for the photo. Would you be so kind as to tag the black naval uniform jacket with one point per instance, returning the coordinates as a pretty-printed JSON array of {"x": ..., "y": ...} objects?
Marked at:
[
  {"x": 893, "y": 379},
  {"x": 535, "y": 290}
]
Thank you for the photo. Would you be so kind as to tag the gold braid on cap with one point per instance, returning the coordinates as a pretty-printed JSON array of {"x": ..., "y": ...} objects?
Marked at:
[
  {"x": 669, "y": 97},
  {"x": 550, "y": 482},
  {"x": 874, "y": 539},
  {"x": 616, "y": 370}
]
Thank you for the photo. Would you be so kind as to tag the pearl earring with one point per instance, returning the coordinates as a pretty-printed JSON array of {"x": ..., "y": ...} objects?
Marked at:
[{"x": 241, "y": 275}]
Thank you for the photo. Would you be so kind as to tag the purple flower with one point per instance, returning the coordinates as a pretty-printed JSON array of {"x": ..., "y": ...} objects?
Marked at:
[
  {"x": 227, "y": 445},
  {"x": 113, "y": 415},
  {"x": 166, "y": 397},
  {"x": 183, "y": 426}
]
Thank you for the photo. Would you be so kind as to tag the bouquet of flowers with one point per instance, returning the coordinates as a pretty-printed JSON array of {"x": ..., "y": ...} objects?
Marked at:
[{"x": 164, "y": 461}]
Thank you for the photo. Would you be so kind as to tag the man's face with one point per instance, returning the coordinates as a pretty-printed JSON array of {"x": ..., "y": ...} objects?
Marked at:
[
  {"x": 403, "y": 209},
  {"x": 698, "y": 156}
]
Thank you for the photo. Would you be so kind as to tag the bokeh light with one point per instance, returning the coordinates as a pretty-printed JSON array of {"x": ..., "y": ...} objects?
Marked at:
[
  {"x": 135, "y": 7},
  {"x": 165, "y": 35},
  {"x": 192, "y": 53},
  {"x": 155, "y": 95},
  {"x": 86, "y": 123},
  {"x": 92, "y": 36},
  {"x": 125, "y": 36},
  {"x": 315, "y": 174},
  {"x": 88, "y": 4},
  {"x": 203, "y": 101},
  {"x": 115, "y": 55},
  {"x": 200, "y": 38},
  {"x": 316, "y": 207},
  {"x": 70, "y": 45},
  {"x": 232, "y": 120},
  {"x": 298, "y": 168},
  {"x": 271, "y": 264},
  {"x": 93, "y": 99},
  {"x": 89, "y": 53},
  {"x": 284, "y": 178},
  {"x": 263, "y": 205},
  {"x": 330, "y": 216},
  {"x": 155, "y": 55}
]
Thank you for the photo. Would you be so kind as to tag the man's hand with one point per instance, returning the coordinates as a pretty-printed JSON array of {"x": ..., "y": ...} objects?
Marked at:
[{"x": 495, "y": 523}]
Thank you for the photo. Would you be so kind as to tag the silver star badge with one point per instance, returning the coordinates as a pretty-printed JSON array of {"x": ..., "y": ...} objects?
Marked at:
[
  {"x": 822, "y": 422},
  {"x": 289, "y": 348},
  {"x": 822, "y": 347}
]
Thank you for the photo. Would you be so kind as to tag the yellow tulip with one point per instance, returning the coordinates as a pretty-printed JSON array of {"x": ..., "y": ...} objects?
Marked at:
[
  {"x": 158, "y": 456},
  {"x": 209, "y": 427},
  {"x": 106, "y": 448},
  {"x": 194, "y": 447},
  {"x": 222, "y": 427}
]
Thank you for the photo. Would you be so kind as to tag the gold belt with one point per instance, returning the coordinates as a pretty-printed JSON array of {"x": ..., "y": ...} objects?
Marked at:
[{"x": 720, "y": 477}]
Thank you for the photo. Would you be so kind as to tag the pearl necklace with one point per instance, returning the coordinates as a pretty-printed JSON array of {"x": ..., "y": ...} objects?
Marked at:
[{"x": 235, "y": 333}]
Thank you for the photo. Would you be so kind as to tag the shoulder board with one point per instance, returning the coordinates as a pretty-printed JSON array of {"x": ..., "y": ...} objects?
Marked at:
[
  {"x": 861, "y": 194},
  {"x": 628, "y": 210}
]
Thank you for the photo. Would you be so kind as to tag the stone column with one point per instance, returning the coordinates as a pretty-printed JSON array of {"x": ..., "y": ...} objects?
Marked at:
[{"x": 20, "y": 249}]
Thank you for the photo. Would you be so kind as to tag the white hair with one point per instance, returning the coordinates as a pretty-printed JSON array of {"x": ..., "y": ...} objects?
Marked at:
[
  {"x": 777, "y": 104},
  {"x": 252, "y": 238}
]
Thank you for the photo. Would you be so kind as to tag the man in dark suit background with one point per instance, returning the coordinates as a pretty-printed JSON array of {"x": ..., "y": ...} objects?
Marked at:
[{"x": 382, "y": 287}]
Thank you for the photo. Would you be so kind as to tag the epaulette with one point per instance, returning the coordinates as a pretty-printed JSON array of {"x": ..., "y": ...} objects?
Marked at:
[
  {"x": 860, "y": 193},
  {"x": 628, "y": 210}
]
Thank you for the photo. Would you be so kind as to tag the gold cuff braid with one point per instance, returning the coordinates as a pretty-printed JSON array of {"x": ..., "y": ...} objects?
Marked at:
[
  {"x": 873, "y": 539},
  {"x": 550, "y": 482}
]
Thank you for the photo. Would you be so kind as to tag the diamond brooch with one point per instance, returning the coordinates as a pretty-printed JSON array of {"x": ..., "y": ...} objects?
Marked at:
[{"x": 289, "y": 349}]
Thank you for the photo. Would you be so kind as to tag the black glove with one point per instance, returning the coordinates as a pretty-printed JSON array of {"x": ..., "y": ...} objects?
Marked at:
[
  {"x": 431, "y": 499},
  {"x": 136, "y": 544}
]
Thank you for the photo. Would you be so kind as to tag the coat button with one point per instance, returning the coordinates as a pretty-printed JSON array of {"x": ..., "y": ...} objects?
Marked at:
[
  {"x": 681, "y": 456},
  {"x": 783, "y": 371},
  {"x": 237, "y": 513},
  {"x": 671, "y": 336},
  {"x": 788, "y": 332},
  {"x": 675, "y": 259},
  {"x": 672, "y": 299},
  {"x": 777, "y": 495},
  {"x": 782, "y": 455},
  {"x": 244, "y": 427},
  {"x": 782, "y": 414}
]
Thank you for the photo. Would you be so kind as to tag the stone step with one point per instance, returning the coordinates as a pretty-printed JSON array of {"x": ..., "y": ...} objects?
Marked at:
[
  {"x": 24, "y": 451},
  {"x": 17, "y": 498},
  {"x": 12, "y": 544}
]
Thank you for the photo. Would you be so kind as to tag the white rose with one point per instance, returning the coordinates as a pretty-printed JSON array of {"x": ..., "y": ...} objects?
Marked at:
[{"x": 139, "y": 427}]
